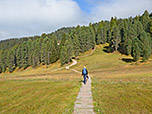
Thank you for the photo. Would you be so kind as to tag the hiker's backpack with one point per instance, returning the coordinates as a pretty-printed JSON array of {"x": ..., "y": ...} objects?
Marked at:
[{"x": 84, "y": 71}]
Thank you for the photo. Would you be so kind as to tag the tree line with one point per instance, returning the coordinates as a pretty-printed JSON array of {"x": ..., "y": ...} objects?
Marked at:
[{"x": 130, "y": 36}]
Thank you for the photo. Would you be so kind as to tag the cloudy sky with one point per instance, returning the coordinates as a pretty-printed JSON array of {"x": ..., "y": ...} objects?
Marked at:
[{"x": 19, "y": 18}]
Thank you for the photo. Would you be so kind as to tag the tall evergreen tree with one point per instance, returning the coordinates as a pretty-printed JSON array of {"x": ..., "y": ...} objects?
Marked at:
[
  {"x": 145, "y": 45},
  {"x": 69, "y": 47},
  {"x": 116, "y": 38},
  {"x": 11, "y": 60},
  {"x": 54, "y": 49},
  {"x": 145, "y": 20},
  {"x": 150, "y": 27},
  {"x": 92, "y": 36},
  {"x": 138, "y": 27},
  {"x": 135, "y": 50},
  {"x": 19, "y": 57},
  {"x": 63, "y": 39},
  {"x": 63, "y": 55},
  {"x": 128, "y": 47},
  {"x": 24, "y": 55},
  {"x": 76, "y": 45}
]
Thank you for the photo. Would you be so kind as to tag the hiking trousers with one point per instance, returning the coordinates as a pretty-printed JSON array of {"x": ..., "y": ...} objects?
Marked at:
[{"x": 84, "y": 76}]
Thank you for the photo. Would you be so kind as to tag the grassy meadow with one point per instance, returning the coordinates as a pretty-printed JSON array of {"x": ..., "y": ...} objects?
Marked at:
[
  {"x": 125, "y": 94},
  {"x": 118, "y": 86},
  {"x": 52, "y": 93}
]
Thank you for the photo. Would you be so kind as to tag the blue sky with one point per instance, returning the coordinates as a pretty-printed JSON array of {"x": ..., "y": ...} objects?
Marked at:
[
  {"x": 87, "y": 5},
  {"x": 20, "y": 18}
]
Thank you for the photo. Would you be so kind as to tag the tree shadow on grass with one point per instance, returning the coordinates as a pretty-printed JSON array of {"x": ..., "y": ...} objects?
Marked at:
[
  {"x": 108, "y": 49},
  {"x": 127, "y": 60}
]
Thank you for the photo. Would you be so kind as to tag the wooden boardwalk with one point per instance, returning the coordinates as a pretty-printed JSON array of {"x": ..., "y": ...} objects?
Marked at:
[{"x": 84, "y": 102}]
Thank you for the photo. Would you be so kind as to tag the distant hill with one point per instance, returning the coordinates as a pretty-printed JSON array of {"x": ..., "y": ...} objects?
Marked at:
[{"x": 129, "y": 36}]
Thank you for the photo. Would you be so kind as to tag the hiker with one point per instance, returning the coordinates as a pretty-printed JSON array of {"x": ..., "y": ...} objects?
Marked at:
[{"x": 85, "y": 74}]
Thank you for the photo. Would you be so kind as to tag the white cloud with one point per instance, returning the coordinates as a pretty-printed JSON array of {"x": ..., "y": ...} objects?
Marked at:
[
  {"x": 30, "y": 17},
  {"x": 120, "y": 8}
]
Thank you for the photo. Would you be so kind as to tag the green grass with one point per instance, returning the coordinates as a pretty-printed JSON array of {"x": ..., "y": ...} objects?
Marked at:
[
  {"x": 38, "y": 96},
  {"x": 118, "y": 87},
  {"x": 31, "y": 71},
  {"x": 100, "y": 60},
  {"x": 123, "y": 95}
]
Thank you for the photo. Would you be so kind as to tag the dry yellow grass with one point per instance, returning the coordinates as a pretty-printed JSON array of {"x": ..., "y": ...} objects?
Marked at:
[
  {"x": 39, "y": 91},
  {"x": 118, "y": 87}
]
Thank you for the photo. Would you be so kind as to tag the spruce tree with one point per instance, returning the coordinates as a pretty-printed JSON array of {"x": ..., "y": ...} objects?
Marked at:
[
  {"x": 135, "y": 50},
  {"x": 54, "y": 51},
  {"x": 150, "y": 27},
  {"x": 19, "y": 56},
  {"x": 69, "y": 47},
  {"x": 63, "y": 39},
  {"x": 10, "y": 60},
  {"x": 145, "y": 19},
  {"x": 76, "y": 45},
  {"x": 145, "y": 45},
  {"x": 92, "y": 35},
  {"x": 116, "y": 38},
  {"x": 29, "y": 45},
  {"x": 128, "y": 47},
  {"x": 145, "y": 55},
  {"x": 63, "y": 56},
  {"x": 24, "y": 55},
  {"x": 138, "y": 27}
]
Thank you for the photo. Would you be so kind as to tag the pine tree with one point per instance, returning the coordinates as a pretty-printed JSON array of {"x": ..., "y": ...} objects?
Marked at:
[
  {"x": 63, "y": 55},
  {"x": 29, "y": 45},
  {"x": 35, "y": 53},
  {"x": 54, "y": 51},
  {"x": 19, "y": 57},
  {"x": 113, "y": 22},
  {"x": 131, "y": 34},
  {"x": 92, "y": 35},
  {"x": 145, "y": 45},
  {"x": 135, "y": 50},
  {"x": 24, "y": 55},
  {"x": 83, "y": 39},
  {"x": 63, "y": 39},
  {"x": 69, "y": 47},
  {"x": 116, "y": 38},
  {"x": 145, "y": 55},
  {"x": 128, "y": 47},
  {"x": 150, "y": 27},
  {"x": 138, "y": 27},
  {"x": 76, "y": 45},
  {"x": 145, "y": 20},
  {"x": 98, "y": 38},
  {"x": 45, "y": 51},
  {"x": 11, "y": 60},
  {"x": 1, "y": 62},
  {"x": 101, "y": 34}
]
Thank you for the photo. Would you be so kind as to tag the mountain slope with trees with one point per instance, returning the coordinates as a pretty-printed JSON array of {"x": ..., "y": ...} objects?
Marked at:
[{"x": 128, "y": 36}]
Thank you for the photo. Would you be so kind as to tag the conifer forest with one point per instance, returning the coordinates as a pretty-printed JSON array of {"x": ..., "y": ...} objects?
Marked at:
[{"x": 129, "y": 36}]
